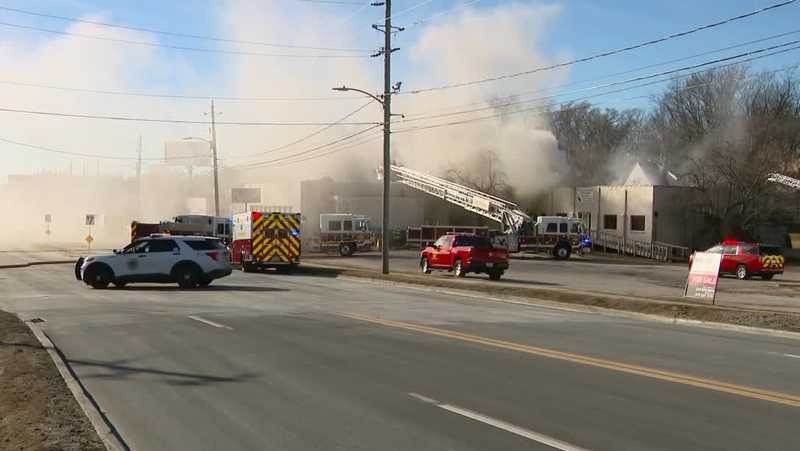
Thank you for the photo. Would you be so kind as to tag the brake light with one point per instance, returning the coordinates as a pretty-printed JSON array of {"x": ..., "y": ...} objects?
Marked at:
[{"x": 214, "y": 255}]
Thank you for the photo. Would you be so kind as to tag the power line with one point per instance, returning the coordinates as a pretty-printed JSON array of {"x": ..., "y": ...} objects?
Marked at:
[
  {"x": 606, "y": 53},
  {"x": 332, "y": 2},
  {"x": 307, "y": 151},
  {"x": 178, "y": 96},
  {"x": 538, "y": 108},
  {"x": 176, "y": 47},
  {"x": 632, "y": 80},
  {"x": 442, "y": 13},
  {"x": 178, "y": 121},
  {"x": 410, "y": 8},
  {"x": 179, "y": 35},
  {"x": 85, "y": 155},
  {"x": 580, "y": 82},
  {"x": 306, "y": 137}
]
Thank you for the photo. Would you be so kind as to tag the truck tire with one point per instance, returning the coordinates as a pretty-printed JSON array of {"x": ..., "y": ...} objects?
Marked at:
[
  {"x": 458, "y": 268},
  {"x": 346, "y": 249},
  {"x": 187, "y": 275},
  {"x": 741, "y": 272},
  {"x": 98, "y": 276},
  {"x": 767, "y": 276},
  {"x": 562, "y": 251},
  {"x": 424, "y": 266}
]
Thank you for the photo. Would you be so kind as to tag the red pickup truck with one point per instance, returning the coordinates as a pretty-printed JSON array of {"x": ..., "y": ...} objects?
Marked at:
[{"x": 461, "y": 254}]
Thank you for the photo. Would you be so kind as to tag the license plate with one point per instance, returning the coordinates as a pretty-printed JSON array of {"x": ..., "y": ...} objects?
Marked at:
[{"x": 490, "y": 265}]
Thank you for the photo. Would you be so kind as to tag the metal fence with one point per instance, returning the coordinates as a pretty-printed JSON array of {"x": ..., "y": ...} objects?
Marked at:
[{"x": 616, "y": 243}]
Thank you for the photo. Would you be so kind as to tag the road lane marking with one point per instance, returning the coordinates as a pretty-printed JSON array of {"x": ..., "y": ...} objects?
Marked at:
[
  {"x": 209, "y": 322},
  {"x": 794, "y": 356},
  {"x": 500, "y": 424},
  {"x": 684, "y": 379}
]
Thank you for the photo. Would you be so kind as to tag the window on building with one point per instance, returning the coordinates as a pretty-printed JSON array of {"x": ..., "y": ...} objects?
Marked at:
[
  {"x": 347, "y": 225},
  {"x": 610, "y": 222},
  {"x": 334, "y": 226},
  {"x": 638, "y": 223},
  {"x": 552, "y": 227},
  {"x": 586, "y": 218},
  {"x": 562, "y": 228}
]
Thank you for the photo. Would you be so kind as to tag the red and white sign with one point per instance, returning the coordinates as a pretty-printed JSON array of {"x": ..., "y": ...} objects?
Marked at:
[{"x": 703, "y": 276}]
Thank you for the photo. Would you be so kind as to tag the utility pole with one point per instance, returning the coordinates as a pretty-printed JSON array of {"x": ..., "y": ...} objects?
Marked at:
[
  {"x": 139, "y": 181},
  {"x": 385, "y": 100},
  {"x": 387, "y": 119},
  {"x": 214, "y": 155}
]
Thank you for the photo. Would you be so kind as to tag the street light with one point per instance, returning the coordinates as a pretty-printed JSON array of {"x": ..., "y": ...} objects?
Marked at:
[
  {"x": 385, "y": 102},
  {"x": 213, "y": 146}
]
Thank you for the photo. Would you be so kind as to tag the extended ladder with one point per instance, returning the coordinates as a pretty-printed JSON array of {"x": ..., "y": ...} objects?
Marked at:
[
  {"x": 506, "y": 213},
  {"x": 784, "y": 180}
]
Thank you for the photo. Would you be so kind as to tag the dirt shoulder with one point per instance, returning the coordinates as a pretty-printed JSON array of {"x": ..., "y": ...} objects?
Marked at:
[
  {"x": 37, "y": 410},
  {"x": 680, "y": 310}
]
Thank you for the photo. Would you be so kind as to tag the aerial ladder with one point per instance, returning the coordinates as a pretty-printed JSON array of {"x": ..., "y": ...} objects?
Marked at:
[
  {"x": 506, "y": 213},
  {"x": 784, "y": 180}
]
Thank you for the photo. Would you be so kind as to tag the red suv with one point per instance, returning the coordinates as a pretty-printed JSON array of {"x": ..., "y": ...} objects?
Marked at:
[
  {"x": 748, "y": 259},
  {"x": 462, "y": 253}
]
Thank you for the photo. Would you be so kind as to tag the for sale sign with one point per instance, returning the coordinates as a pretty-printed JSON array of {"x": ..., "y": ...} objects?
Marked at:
[{"x": 703, "y": 276}]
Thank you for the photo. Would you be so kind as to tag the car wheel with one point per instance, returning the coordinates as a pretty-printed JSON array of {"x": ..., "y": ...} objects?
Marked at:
[
  {"x": 98, "y": 276},
  {"x": 78, "y": 265},
  {"x": 187, "y": 276},
  {"x": 562, "y": 252},
  {"x": 741, "y": 272},
  {"x": 767, "y": 276},
  {"x": 205, "y": 282},
  {"x": 120, "y": 284},
  {"x": 346, "y": 249},
  {"x": 495, "y": 275},
  {"x": 425, "y": 266},
  {"x": 458, "y": 268}
]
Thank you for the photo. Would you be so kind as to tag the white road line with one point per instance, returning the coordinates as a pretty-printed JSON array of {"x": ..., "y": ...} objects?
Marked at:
[
  {"x": 210, "y": 323},
  {"x": 794, "y": 356},
  {"x": 508, "y": 427}
]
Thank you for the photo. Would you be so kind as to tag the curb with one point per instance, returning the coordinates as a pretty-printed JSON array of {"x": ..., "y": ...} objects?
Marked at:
[
  {"x": 555, "y": 305},
  {"x": 102, "y": 425},
  {"x": 25, "y": 265}
]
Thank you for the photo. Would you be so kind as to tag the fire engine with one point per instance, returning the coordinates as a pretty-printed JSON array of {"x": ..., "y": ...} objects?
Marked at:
[
  {"x": 555, "y": 235},
  {"x": 197, "y": 225},
  {"x": 345, "y": 232},
  {"x": 266, "y": 240}
]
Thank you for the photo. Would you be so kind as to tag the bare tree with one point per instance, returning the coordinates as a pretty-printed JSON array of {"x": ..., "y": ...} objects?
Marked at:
[{"x": 483, "y": 173}]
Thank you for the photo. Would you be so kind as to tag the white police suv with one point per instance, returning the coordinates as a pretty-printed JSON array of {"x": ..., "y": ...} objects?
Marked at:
[{"x": 189, "y": 261}]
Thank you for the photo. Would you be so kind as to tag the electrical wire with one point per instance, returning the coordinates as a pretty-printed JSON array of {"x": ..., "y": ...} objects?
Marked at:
[
  {"x": 441, "y": 13},
  {"x": 179, "y": 35},
  {"x": 178, "y": 121},
  {"x": 180, "y": 97},
  {"x": 332, "y": 2},
  {"x": 306, "y": 137},
  {"x": 410, "y": 8},
  {"x": 86, "y": 155},
  {"x": 783, "y": 48},
  {"x": 538, "y": 108},
  {"x": 606, "y": 53},
  {"x": 307, "y": 151},
  {"x": 177, "y": 47},
  {"x": 605, "y": 77}
]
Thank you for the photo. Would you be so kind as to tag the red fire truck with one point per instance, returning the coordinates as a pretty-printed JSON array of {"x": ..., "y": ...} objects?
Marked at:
[{"x": 266, "y": 240}]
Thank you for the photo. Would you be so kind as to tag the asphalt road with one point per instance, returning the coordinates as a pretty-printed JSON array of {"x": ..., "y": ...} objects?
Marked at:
[
  {"x": 599, "y": 274},
  {"x": 264, "y": 361}
]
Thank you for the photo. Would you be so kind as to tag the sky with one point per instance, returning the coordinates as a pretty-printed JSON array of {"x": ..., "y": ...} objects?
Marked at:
[{"x": 444, "y": 42}]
